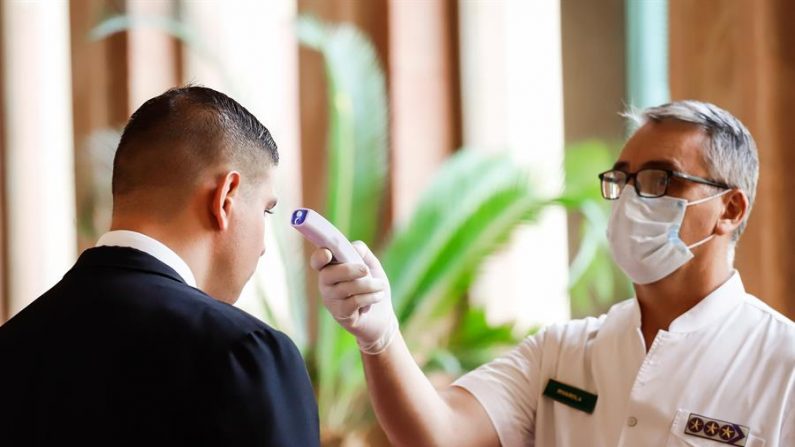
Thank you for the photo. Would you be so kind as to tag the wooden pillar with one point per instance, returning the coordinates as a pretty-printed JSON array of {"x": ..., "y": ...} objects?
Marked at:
[
  {"x": 740, "y": 55},
  {"x": 153, "y": 54},
  {"x": 424, "y": 95},
  {"x": 100, "y": 103}
]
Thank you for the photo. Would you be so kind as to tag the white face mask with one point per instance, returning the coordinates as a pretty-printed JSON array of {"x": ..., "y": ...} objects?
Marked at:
[{"x": 643, "y": 234}]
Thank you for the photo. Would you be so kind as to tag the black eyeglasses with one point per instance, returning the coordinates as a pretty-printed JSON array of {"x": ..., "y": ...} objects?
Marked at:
[{"x": 649, "y": 183}]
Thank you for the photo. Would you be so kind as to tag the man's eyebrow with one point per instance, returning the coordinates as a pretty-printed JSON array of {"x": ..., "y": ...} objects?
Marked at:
[{"x": 662, "y": 164}]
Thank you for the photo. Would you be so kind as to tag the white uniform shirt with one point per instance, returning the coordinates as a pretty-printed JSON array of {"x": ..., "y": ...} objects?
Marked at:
[
  {"x": 151, "y": 246},
  {"x": 726, "y": 365}
]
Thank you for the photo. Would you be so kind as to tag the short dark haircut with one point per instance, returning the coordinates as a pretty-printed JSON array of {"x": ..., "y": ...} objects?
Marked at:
[{"x": 172, "y": 138}]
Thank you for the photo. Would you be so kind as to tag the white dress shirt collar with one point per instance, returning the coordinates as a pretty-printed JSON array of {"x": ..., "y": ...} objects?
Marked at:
[
  {"x": 146, "y": 244},
  {"x": 710, "y": 309},
  {"x": 713, "y": 308}
]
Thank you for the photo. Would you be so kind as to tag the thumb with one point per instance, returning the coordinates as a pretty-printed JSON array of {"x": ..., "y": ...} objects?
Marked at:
[
  {"x": 320, "y": 258},
  {"x": 372, "y": 263}
]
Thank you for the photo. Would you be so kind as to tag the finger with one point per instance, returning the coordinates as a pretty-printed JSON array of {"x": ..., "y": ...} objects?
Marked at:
[
  {"x": 346, "y": 289},
  {"x": 340, "y": 273},
  {"x": 350, "y": 307},
  {"x": 370, "y": 260},
  {"x": 360, "y": 248},
  {"x": 320, "y": 258}
]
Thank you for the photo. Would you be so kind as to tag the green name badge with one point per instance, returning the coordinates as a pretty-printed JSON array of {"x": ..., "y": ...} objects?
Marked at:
[{"x": 568, "y": 395}]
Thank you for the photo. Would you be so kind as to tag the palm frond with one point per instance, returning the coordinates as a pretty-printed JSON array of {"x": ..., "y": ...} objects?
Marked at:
[
  {"x": 475, "y": 342},
  {"x": 123, "y": 22},
  {"x": 471, "y": 208}
]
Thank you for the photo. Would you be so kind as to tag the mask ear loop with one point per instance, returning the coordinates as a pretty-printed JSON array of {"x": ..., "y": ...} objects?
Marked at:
[
  {"x": 696, "y": 202},
  {"x": 707, "y": 199},
  {"x": 701, "y": 242}
]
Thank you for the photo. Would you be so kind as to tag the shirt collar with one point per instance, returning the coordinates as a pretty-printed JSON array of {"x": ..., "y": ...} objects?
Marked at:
[
  {"x": 146, "y": 244},
  {"x": 713, "y": 307}
]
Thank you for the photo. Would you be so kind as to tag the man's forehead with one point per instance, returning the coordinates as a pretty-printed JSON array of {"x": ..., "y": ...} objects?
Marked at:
[{"x": 667, "y": 145}]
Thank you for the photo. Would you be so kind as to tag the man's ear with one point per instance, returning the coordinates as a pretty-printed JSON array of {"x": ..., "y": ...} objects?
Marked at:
[
  {"x": 227, "y": 191},
  {"x": 736, "y": 207}
]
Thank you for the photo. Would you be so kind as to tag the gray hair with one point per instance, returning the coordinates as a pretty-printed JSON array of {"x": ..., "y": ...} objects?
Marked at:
[{"x": 731, "y": 156}]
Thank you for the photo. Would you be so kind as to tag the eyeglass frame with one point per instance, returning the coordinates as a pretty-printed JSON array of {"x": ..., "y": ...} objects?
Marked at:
[{"x": 669, "y": 173}]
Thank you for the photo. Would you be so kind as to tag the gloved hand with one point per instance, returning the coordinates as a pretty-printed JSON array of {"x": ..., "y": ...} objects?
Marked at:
[{"x": 348, "y": 290}]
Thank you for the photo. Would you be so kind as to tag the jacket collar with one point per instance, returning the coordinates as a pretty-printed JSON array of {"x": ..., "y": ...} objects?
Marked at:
[
  {"x": 126, "y": 258},
  {"x": 152, "y": 246}
]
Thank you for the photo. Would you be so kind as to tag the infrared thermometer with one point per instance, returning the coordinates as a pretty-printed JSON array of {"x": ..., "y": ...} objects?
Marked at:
[{"x": 323, "y": 234}]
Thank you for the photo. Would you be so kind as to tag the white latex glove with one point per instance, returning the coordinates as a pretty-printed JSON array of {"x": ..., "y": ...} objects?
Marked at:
[{"x": 348, "y": 289}]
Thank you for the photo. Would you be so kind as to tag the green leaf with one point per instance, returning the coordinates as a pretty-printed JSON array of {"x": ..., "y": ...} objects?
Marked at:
[
  {"x": 336, "y": 354},
  {"x": 470, "y": 209},
  {"x": 583, "y": 163},
  {"x": 593, "y": 231},
  {"x": 475, "y": 342},
  {"x": 475, "y": 332}
]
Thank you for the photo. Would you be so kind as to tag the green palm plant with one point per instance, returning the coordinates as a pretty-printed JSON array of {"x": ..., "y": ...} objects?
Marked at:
[{"x": 470, "y": 208}]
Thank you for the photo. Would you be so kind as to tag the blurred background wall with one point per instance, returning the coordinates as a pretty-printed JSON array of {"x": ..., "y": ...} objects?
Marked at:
[
  {"x": 539, "y": 82},
  {"x": 739, "y": 54}
]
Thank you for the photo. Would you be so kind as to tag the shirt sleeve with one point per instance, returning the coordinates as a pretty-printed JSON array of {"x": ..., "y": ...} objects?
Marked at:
[
  {"x": 508, "y": 389},
  {"x": 262, "y": 395}
]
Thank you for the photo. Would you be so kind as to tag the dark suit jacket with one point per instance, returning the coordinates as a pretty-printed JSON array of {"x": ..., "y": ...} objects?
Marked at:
[{"x": 122, "y": 352}]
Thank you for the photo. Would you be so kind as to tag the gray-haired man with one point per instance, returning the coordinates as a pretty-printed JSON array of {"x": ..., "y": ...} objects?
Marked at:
[{"x": 691, "y": 360}]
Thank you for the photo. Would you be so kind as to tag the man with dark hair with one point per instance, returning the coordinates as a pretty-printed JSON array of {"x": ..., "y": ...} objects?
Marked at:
[{"x": 139, "y": 344}]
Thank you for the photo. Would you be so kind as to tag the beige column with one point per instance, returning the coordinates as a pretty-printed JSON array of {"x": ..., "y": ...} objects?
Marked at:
[
  {"x": 513, "y": 101},
  {"x": 39, "y": 166}
]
